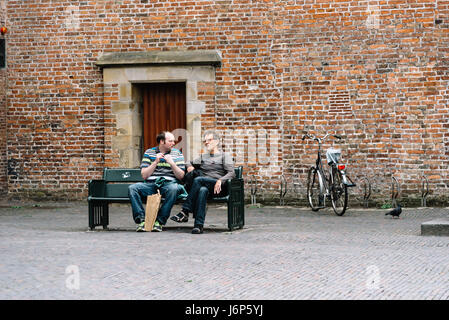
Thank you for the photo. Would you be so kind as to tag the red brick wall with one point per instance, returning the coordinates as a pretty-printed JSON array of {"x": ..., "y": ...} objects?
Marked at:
[
  {"x": 3, "y": 159},
  {"x": 3, "y": 84},
  {"x": 376, "y": 74},
  {"x": 382, "y": 85},
  {"x": 54, "y": 102}
]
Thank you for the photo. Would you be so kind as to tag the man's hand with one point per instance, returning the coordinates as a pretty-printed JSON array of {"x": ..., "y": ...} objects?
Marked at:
[
  {"x": 190, "y": 169},
  {"x": 179, "y": 173},
  {"x": 217, "y": 187},
  {"x": 169, "y": 159},
  {"x": 159, "y": 156},
  {"x": 148, "y": 171}
]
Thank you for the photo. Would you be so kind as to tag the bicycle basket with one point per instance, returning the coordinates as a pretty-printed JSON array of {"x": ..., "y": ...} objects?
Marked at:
[{"x": 333, "y": 155}]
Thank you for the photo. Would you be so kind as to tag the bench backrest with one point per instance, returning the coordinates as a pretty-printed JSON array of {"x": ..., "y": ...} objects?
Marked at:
[
  {"x": 119, "y": 179},
  {"x": 133, "y": 175},
  {"x": 122, "y": 175}
]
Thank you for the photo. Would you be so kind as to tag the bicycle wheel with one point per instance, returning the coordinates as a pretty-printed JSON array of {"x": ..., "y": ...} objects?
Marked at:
[
  {"x": 339, "y": 193},
  {"x": 313, "y": 189}
]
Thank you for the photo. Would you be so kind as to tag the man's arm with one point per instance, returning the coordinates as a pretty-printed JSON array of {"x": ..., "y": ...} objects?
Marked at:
[
  {"x": 190, "y": 164},
  {"x": 179, "y": 173},
  {"x": 146, "y": 172},
  {"x": 228, "y": 165}
]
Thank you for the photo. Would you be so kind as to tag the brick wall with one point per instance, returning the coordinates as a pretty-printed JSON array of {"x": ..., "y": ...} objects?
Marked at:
[
  {"x": 374, "y": 71},
  {"x": 375, "y": 75},
  {"x": 3, "y": 84}
]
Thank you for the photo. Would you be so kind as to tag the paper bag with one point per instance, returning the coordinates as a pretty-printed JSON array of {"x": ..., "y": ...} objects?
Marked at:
[{"x": 151, "y": 210}]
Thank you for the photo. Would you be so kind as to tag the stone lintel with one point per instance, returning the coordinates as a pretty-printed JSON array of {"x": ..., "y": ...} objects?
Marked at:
[{"x": 176, "y": 57}]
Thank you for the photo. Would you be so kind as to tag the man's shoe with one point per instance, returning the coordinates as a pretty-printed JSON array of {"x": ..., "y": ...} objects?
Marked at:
[
  {"x": 198, "y": 229},
  {"x": 180, "y": 217},
  {"x": 157, "y": 227},
  {"x": 141, "y": 227}
]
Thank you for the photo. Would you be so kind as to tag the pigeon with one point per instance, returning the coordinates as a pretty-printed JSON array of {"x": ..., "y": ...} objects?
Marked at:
[{"x": 395, "y": 212}]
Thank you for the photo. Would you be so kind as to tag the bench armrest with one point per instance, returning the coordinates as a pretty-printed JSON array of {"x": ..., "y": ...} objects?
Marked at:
[
  {"x": 96, "y": 188},
  {"x": 236, "y": 203},
  {"x": 235, "y": 186}
]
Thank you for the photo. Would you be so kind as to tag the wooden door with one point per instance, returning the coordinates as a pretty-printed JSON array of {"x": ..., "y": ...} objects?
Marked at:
[{"x": 164, "y": 109}]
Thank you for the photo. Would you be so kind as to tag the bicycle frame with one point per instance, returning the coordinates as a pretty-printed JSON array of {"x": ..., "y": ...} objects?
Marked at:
[
  {"x": 324, "y": 181},
  {"x": 332, "y": 185}
]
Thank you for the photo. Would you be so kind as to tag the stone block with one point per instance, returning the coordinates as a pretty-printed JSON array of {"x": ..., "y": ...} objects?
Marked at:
[
  {"x": 114, "y": 75},
  {"x": 120, "y": 107},
  {"x": 438, "y": 227},
  {"x": 121, "y": 142},
  {"x": 125, "y": 92},
  {"x": 191, "y": 90},
  {"x": 196, "y": 107}
]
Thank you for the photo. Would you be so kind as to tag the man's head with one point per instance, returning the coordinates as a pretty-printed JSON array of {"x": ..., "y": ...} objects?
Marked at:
[
  {"x": 211, "y": 140},
  {"x": 166, "y": 141}
]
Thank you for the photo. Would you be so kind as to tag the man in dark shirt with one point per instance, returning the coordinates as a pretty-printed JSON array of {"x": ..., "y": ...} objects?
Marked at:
[
  {"x": 162, "y": 168},
  {"x": 216, "y": 167}
]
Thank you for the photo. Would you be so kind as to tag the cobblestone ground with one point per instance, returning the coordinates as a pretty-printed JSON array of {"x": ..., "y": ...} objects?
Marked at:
[{"x": 47, "y": 252}]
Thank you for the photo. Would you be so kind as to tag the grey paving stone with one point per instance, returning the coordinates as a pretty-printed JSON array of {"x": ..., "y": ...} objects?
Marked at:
[{"x": 282, "y": 253}]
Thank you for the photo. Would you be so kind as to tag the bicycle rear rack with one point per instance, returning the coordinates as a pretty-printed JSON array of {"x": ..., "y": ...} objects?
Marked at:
[{"x": 349, "y": 183}]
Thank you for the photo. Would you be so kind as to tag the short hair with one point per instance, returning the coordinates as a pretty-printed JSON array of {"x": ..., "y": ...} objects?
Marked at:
[
  {"x": 214, "y": 134},
  {"x": 161, "y": 136}
]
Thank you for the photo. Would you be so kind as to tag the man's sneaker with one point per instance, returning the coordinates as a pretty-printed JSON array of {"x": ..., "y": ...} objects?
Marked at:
[
  {"x": 141, "y": 227},
  {"x": 157, "y": 227},
  {"x": 198, "y": 229}
]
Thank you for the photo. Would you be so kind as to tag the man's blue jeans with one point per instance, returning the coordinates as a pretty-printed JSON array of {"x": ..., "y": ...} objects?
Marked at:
[
  {"x": 137, "y": 191},
  {"x": 196, "y": 202}
]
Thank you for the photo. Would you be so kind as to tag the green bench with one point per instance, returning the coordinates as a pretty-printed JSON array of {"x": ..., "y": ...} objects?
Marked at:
[{"x": 113, "y": 188}]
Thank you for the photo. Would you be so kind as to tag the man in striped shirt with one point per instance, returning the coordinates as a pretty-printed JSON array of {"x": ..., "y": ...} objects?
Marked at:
[{"x": 159, "y": 164}]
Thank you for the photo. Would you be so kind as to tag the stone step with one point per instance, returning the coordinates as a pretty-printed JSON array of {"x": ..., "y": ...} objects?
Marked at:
[{"x": 438, "y": 227}]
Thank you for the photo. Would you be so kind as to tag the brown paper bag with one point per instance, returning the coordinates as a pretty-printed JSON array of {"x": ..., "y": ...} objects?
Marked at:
[{"x": 151, "y": 210}]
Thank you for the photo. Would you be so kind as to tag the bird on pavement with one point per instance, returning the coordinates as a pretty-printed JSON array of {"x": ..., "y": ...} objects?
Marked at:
[{"x": 395, "y": 212}]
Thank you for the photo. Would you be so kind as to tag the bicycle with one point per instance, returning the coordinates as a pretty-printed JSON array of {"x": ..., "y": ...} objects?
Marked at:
[{"x": 333, "y": 185}]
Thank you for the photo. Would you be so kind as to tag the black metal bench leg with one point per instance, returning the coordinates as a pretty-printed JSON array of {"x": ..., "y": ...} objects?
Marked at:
[
  {"x": 236, "y": 205},
  {"x": 105, "y": 216},
  {"x": 234, "y": 216},
  {"x": 91, "y": 215},
  {"x": 98, "y": 214}
]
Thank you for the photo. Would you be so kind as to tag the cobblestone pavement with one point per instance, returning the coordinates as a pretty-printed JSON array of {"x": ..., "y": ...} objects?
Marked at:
[{"x": 47, "y": 252}]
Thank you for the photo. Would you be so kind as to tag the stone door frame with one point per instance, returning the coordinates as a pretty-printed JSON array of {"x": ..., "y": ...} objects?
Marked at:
[{"x": 123, "y": 99}]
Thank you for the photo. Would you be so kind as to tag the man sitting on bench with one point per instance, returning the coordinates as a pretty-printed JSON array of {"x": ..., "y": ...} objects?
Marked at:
[
  {"x": 214, "y": 167},
  {"x": 162, "y": 167}
]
